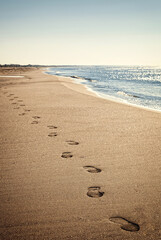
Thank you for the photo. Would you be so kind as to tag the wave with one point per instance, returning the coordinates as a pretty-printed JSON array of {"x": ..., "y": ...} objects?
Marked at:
[
  {"x": 76, "y": 77},
  {"x": 127, "y": 95},
  {"x": 141, "y": 86},
  {"x": 83, "y": 78}
]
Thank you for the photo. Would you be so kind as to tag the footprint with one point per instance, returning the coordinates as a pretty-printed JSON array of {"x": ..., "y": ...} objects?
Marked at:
[
  {"x": 52, "y": 127},
  {"x": 21, "y": 114},
  {"x": 22, "y": 105},
  {"x": 36, "y": 117},
  {"x": 35, "y": 122},
  {"x": 70, "y": 142},
  {"x": 53, "y": 134},
  {"x": 11, "y": 99},
  {"x": 27, "y": 110},
  {"x": 94, "y": 192},
  {"x": 92, "y": 169},
  {"x": 15, "y": 97},
  {"x": 19, "y": 100},
  {"x": 16, "y": 108},
  {"x": 125, "y": 224},
  {"x": 14, "y": 103},
  {"x": 66, "y": 155}
]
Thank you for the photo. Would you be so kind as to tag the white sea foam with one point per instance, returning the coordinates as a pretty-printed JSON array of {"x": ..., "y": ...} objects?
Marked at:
[
  {"x": 122, "y": 93},
  {"x": 118, "y": 100}
]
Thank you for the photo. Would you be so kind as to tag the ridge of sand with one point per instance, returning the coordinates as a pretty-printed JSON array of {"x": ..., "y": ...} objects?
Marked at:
[{"x": 74, "y": 166}]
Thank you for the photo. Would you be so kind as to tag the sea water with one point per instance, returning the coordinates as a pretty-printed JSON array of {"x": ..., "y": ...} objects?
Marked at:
[{"x": 137, "y": 85}]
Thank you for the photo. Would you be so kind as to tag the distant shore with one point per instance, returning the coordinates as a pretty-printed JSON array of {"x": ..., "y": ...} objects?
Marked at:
[{"x": 73, "y": 165}]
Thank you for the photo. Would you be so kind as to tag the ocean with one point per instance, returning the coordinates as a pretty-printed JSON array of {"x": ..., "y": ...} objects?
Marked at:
[{"x": 136, "y": 85}]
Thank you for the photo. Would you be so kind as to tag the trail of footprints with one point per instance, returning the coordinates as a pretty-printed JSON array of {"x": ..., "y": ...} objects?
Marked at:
[
  {"x": 52, "y": 134},
  {"x": 93, "y": 191},
  {"x": 36, "y": 121},
  {"x": 18, "y": 103}
]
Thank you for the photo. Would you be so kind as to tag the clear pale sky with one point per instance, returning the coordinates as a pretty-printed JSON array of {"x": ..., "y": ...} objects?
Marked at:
[{"x": 86, "y": 32}]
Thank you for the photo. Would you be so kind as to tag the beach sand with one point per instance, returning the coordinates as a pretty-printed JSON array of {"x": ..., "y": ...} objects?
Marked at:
[{"x": 75, "y": 166}]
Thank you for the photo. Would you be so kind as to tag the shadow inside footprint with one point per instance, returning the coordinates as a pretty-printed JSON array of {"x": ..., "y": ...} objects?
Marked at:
[
  {"x": 66, "y": 155},
  {"x": 53, "y": 134},
  {"x": 92, "y": 169},
  {"x": 21, "y": 114},
  {"x": 51, "y": 127},
  {"x": 36, "y": 117},
  {"x": 70, "y": 142},
  {"x": 94, "y": 192},
  {"x": 34, "y": 122},
  {"x": 27, "y": 110},
  {"x": 125, "y": 224}
]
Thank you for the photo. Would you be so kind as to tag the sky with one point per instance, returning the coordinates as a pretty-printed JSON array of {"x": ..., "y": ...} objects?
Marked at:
[{"x": 80, "y": 32}]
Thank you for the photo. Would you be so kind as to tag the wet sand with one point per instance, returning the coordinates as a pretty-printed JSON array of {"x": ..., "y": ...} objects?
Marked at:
[{"x": 75, "y": 166}]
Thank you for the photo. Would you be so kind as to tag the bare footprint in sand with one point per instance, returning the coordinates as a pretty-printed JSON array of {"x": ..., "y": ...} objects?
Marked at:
[
  {"x": 20, "y": 100},
  {"x": 92, "y": 169},
  {"x": 14, "y": 103},
  {"x": 53, "y": 134},
  {"x": 70, "y": 142},
  {"x": 125, "y": 224},
  {"x": 95, "y": 192},
  {"x": 21, "y": 114},
  {"x": 35, "y": 122},
  {"x": 66, "y": 155},
  {"x": 52, "y": 127},
  {"x": 36, "y": 117},
  {"x": 27, "y": 110},
  {"x": 22, "y": 105}
]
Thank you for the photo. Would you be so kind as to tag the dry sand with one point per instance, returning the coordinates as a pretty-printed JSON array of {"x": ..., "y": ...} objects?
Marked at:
[{"x": 75, "y": 166}]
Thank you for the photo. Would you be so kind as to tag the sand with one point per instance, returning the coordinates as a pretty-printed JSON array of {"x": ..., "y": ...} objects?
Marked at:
[{"x": 75, "y": 166}]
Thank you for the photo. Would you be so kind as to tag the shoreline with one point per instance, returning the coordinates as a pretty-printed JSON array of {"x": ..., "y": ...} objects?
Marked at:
[
  {"x": 74, "y": 165},
  {"x": 106, "y": 97}
]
